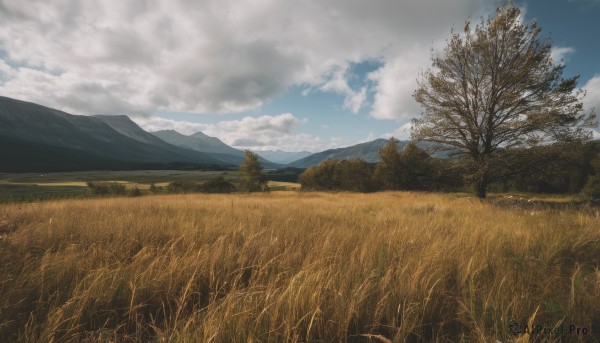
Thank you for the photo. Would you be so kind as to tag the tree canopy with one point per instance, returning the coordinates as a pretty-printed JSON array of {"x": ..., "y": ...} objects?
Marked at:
[
  {"x": 252, "y": 177},
  {"x": 495, "y": 88}
]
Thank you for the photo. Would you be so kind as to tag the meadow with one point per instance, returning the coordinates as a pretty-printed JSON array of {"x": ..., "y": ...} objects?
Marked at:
[
  {"x": 298, "y": 267},
  {"x": 43, "y": 186}
]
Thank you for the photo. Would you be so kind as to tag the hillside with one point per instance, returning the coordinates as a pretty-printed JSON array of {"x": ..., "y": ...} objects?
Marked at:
[
  {"x": 367, "y": 151},
  {"x": 202, "y": 143},
  {"x": 283, "y": 157},
  {"x": 89, "y": 142}
]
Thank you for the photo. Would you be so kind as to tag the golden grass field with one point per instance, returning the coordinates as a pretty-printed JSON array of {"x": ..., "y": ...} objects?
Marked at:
[{"x": 295, "y": 267}]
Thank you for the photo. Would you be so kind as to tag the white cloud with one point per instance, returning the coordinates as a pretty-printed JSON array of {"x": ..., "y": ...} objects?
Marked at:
[
  {"x": 402, "y": 133},
  {"x": 154, "y": 123},
  {"x": 256, "y": 133},
  {"x": 592, "y": 99},
  {"x": 396, "y": 82},
  {"x": 559, "y": 54},
  {"x": 138, "y": 56},
  {"x": 336, "y": 81},
  {"x": 592, "y": 96}
]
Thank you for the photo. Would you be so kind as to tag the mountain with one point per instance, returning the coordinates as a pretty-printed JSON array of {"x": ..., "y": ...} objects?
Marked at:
[
  {"x": 38, "y": 138},
  {"x": 197, "y": 142},
  {"x": 283, "y": 157},
  {"x": 367, "y": 151},
  {"x": 127, "y": 127},
  {"x": 202, "y": 143}
]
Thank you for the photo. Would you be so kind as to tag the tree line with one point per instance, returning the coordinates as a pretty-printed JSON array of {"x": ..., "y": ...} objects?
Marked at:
[
  {"x": 411, "y": 168},
  {"x": 566, "y": 169}
]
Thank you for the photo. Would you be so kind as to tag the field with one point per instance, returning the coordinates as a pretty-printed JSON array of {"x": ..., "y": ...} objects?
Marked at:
[
  {"x": 41, "y": 186},
  {"x": 37, "y": 186},
  {"x": 297, "y": 267}
]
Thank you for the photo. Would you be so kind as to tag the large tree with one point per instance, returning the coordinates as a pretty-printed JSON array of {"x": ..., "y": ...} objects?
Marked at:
[
  {"x": 495, "y": 88},
  {"x": 252, "y": 177}
]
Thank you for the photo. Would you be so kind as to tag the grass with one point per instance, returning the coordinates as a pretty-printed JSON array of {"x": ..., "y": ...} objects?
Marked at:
[
  {"x": 283, "y": 186},
  {"x": 30, "y": 187},
  {"x": 295, "y": 267},
  {"x": 141, "y": 176}
]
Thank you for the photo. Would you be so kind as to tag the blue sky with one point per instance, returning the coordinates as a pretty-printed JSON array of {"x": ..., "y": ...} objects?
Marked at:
[{"x": 259, "y": 74}]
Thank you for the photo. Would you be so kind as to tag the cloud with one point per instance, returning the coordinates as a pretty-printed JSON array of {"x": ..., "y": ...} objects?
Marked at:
[
  {"x": 396, "y": 82},
  {"x": 260, "y": 133},
  {"x": 559, "y": 54},
  {"x": 336, "y": 81},
  {"x": 139, "y": 56},
  {"x": 153, "y": 124},
  {"x": 592, "y": 96},
  {"x": 283, "y": 123},
  {"x": 402, "y": 133}
]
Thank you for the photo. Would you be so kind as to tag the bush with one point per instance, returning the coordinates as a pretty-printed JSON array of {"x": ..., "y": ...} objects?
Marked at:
[
  {"x": 183, "y": 186},
  {"x": 154, "y": 188},
  {"x": 345, "y": 175},
  {"x": 135, "y": 192},
  {"x": 217, "y": 185},
  {"x": 592, "y": 187},
  {"x": 106, "y": 188}
]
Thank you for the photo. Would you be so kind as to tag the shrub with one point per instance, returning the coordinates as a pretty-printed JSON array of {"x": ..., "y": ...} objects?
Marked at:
[
  {"x": 154, "y": 188},
  {"x": 183, "y": 186},
  {"x": 344, "y": 175},
  {"x": 217, "y": 185},
  {"x": 592, "y": 187},
  {"x": 106, "y": 188},
  {"x": 135, "y": 192}
]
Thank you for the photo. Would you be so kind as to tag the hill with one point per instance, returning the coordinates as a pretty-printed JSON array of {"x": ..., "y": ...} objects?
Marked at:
[
  {"x": 40, "y": 138},
  {"x": 283, "y": 157},
  {"x": 201, "y": 142},
  {"x": 367, "y": 151}
]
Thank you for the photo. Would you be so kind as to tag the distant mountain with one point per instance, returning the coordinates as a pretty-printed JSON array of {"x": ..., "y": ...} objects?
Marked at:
[
  {"x": 202, "y": 143},
  {"x": 283, "y": 157},
  {"x": 127, "y": 127},
  {"x": 38, "y": 138},
  {"x": 367, "y": 151},
  {"x": 197, "y": 142}
]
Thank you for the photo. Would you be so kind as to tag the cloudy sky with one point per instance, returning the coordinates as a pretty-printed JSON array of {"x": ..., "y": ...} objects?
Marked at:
[{"x": 259, "y": 74}]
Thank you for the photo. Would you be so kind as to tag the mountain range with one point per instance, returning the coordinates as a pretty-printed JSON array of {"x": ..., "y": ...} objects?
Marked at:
[
  {"x": 205, "y": 144},
  {"x": 283, "y": 157},
  {"x": 38, "y": 138}
]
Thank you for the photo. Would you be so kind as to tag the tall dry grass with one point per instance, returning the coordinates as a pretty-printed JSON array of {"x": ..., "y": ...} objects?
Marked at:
[{"x": 294, "y": 267}]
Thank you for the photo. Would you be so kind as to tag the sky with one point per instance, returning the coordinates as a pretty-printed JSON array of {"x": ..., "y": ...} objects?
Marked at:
[{"x": 258, "y": 74}]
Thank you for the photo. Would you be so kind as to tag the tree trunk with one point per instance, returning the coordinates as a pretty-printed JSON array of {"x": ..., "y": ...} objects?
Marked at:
[{"x": 481, "y": 188}]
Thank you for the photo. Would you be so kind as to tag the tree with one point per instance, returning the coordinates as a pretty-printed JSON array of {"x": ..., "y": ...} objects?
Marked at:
[
  {"x": 353, "y": 175},
  {"x": 217, "y": 185},
  {"x": 387, "y": 172},
  {"x": 418, "y": 171},
  {"x": 496, "y": 88},
  {"x": 252, "y": 177},
  {"x": 592, "y": 188}
]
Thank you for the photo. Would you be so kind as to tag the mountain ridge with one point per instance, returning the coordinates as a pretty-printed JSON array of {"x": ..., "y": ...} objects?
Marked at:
[
  {"x": 28, "y": 127},
  {"x": 203, "y": 143}
]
